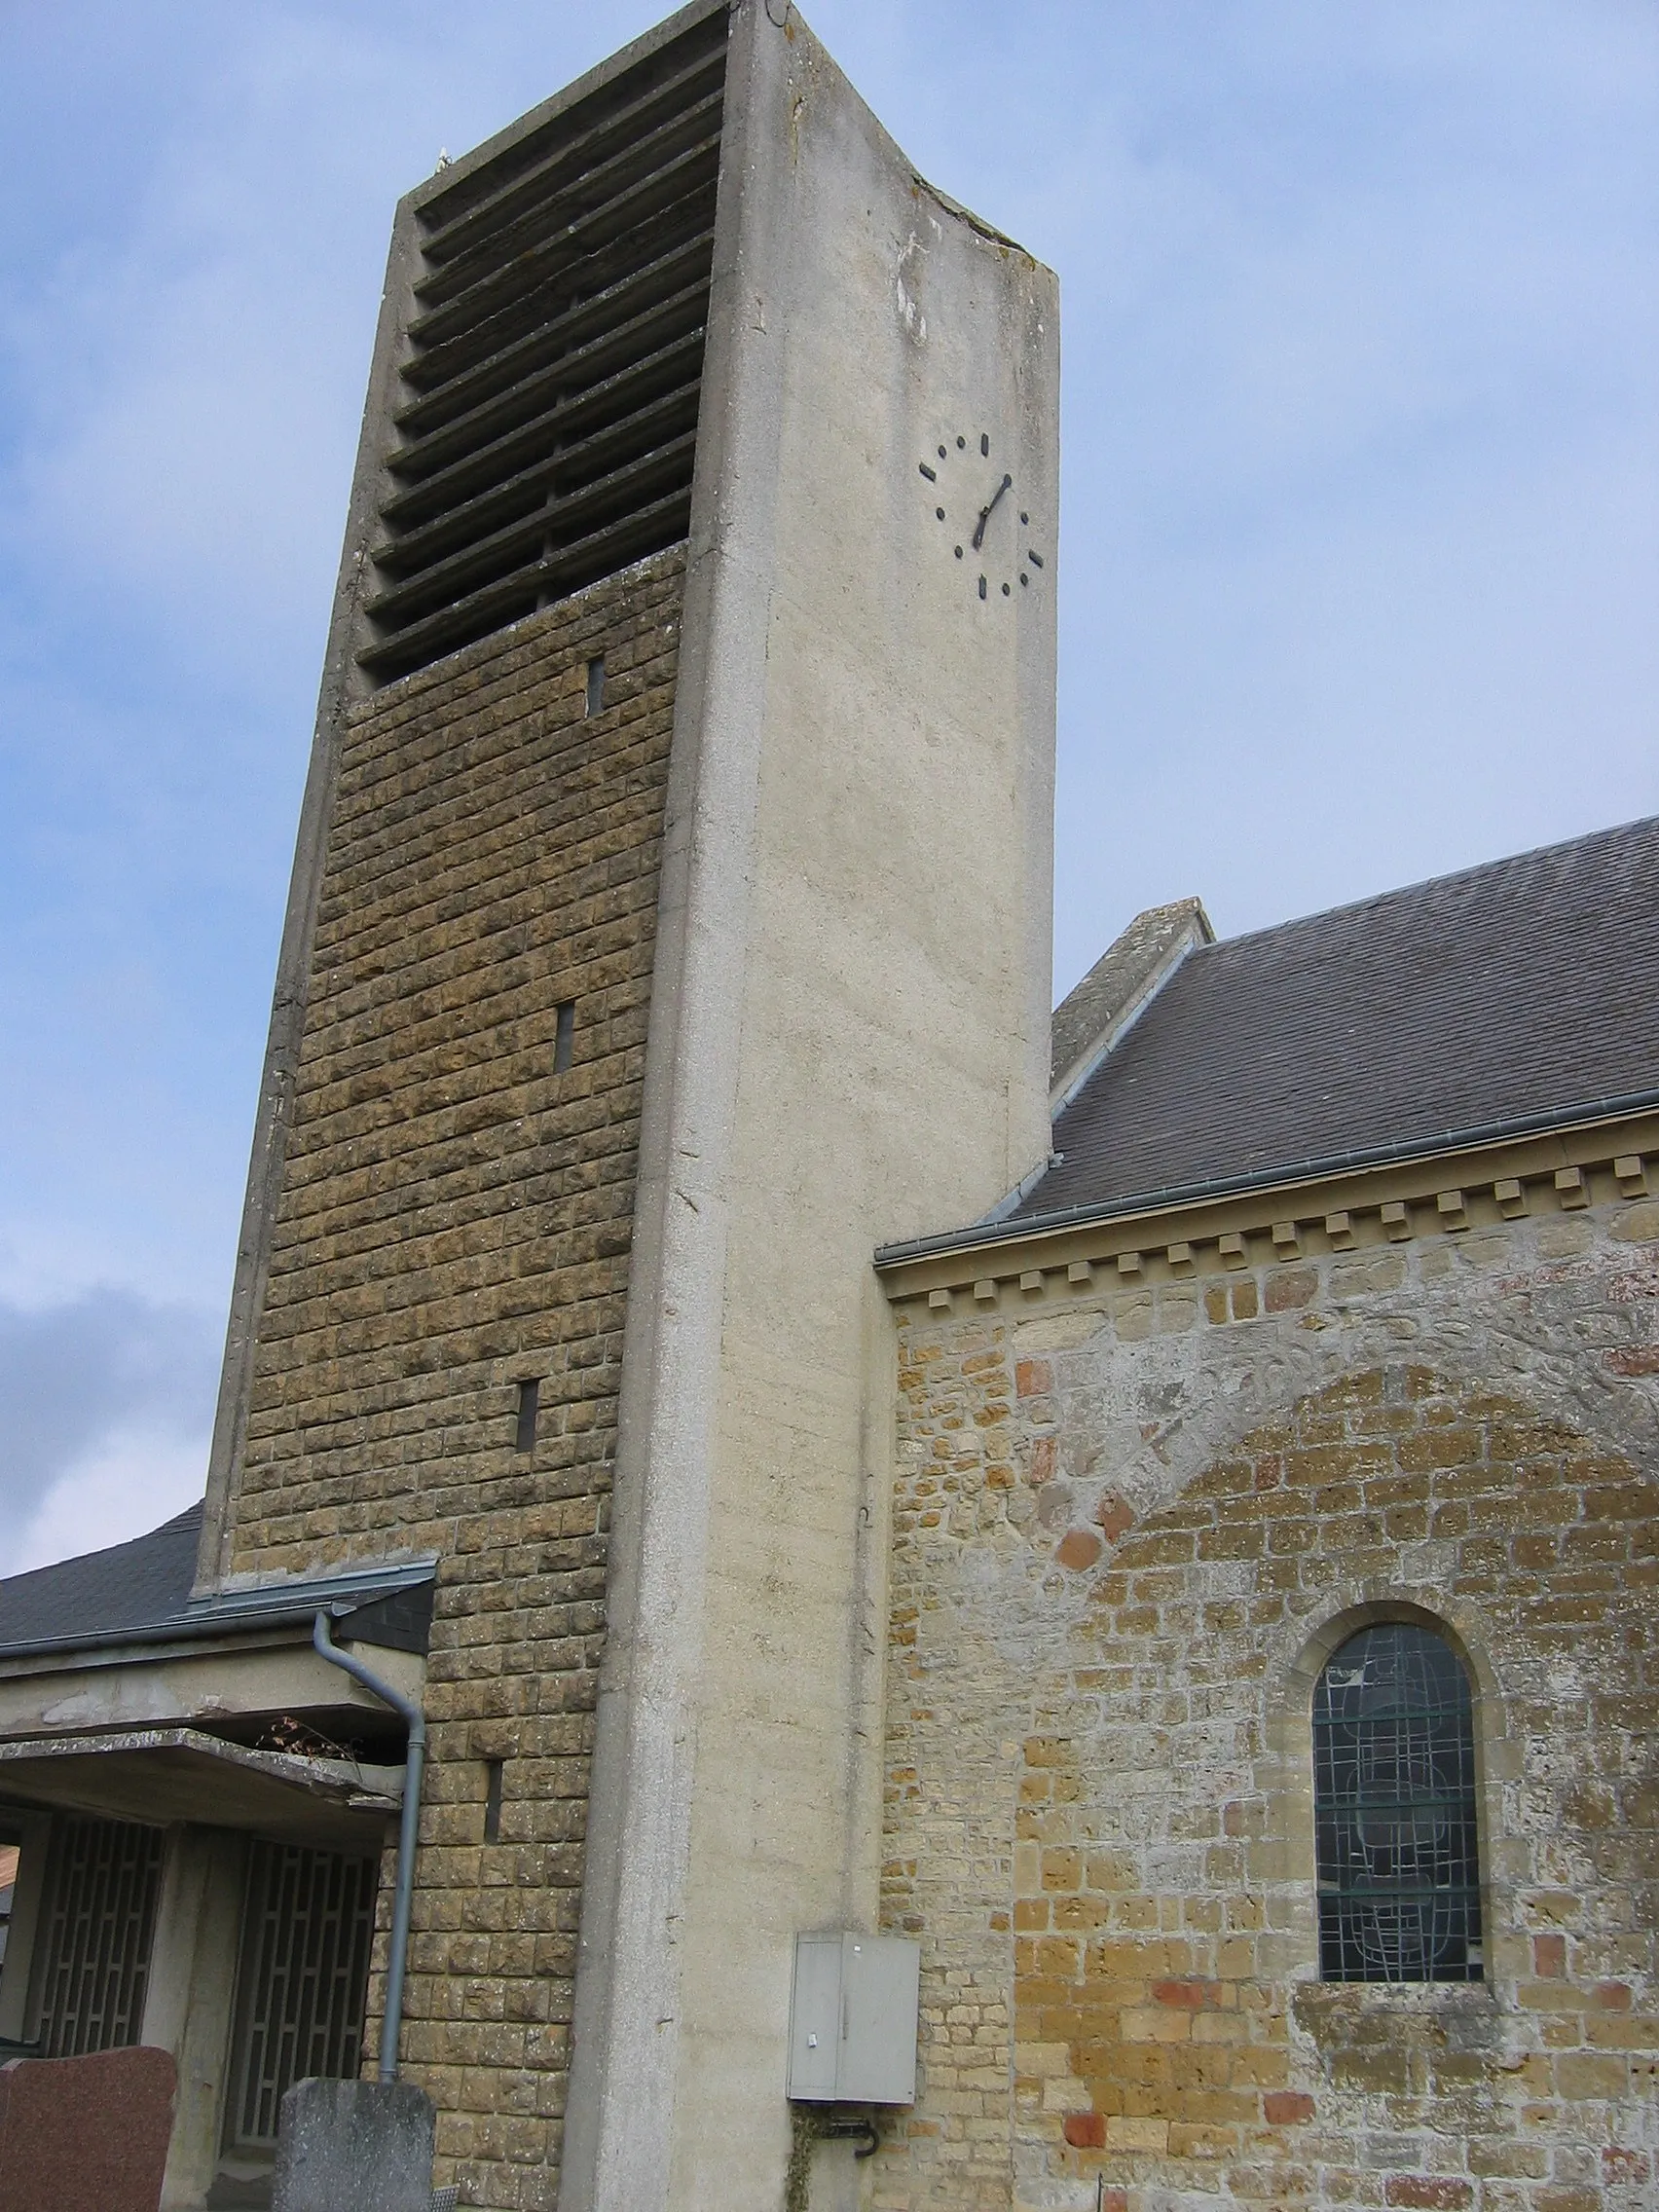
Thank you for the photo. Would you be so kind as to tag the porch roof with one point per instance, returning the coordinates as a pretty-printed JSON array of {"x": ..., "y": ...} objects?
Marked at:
[
  {"x": 140, "y": 1593},
  {"x": 162, "y": 1774}
]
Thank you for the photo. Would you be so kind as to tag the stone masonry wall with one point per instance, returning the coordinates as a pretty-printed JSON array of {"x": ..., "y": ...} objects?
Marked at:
[
  {"x": 1136, "y": 1509},
  {"x": 456, "y": 1218}
]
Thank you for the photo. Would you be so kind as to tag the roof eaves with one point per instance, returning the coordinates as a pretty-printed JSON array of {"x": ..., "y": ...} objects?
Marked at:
[
  {"x": 264, "y": 1607},
  {"x": 974, "y": 1237}
]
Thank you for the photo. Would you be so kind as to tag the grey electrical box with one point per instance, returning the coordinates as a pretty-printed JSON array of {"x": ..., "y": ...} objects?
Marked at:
[{"x": 852, "y": 2019}]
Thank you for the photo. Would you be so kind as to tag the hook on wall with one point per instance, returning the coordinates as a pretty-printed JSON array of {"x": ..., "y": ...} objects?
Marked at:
[{"x": 832, "y": 2130}]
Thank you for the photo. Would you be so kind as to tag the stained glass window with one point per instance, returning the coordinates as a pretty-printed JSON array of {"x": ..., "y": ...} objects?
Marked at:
[{"x": 1394, "y": 1811}]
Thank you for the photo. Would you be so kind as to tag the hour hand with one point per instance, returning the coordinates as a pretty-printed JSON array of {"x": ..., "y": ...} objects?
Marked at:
[{"x": 985, "y": 512}]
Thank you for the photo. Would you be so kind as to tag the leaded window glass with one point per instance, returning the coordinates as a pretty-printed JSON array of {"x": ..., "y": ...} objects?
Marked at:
[{"x": 1394, "y": 1811}]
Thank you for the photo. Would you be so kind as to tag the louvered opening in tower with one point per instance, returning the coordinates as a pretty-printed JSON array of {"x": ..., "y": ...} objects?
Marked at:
[{"x": 547, "y": 415}]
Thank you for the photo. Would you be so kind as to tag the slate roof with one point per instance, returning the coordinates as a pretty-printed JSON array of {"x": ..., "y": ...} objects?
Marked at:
[
  {"x": 1524, "y": 990},
  {"x": 130, "y": 1586},
  {"x": 1110, "y": 994},
  {"x": 140, "y": 1590}
]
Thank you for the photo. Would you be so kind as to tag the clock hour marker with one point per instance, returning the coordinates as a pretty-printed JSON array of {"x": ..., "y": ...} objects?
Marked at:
[
  {"x": 932, "y": 475},
  {"x": 962, "y": 445},
  {"x": 981, "y": 587},
  {"x": 985, "y": 443},
  {"x": 1024, "y": 580},
  {"x": 1035, "y": 559},
  {"x": 940, "y": 511},
  {"x": 959, "y": 552},
  {"x": 1023, "y": 516},
  {"x": 1007, "y": 591},
  {"x": 942, "y": 454}
]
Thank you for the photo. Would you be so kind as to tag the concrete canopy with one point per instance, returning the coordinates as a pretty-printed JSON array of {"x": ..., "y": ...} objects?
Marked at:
[{"x": 163, "y": 1775}]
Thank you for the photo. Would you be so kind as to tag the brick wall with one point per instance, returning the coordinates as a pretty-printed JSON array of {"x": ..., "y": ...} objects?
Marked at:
[
  {"x": 1132, "y": 1517},
  {"x": 454, "y": 1217}
]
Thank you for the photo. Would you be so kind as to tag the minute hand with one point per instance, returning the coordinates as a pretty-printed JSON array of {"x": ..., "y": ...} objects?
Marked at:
[{"x": 985, "y": 512}]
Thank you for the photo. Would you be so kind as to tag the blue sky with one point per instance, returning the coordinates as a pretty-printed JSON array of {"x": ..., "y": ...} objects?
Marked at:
[{"x": 1360, "y": 534}]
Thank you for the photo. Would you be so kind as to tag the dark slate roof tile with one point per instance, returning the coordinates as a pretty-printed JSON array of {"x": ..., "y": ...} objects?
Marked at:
[
  {"x": 1526, "y": 987},
  {"x": 135, "y": 1585}
]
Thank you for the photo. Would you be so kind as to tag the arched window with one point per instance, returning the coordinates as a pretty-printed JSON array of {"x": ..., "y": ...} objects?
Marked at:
[{"x": 1394, "y": 1811}]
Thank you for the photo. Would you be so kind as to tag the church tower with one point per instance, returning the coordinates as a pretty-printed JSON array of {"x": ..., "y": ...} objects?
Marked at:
[{"x": 669, "y": 927}]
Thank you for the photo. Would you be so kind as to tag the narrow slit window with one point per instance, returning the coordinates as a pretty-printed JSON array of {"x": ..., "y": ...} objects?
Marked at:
[
  {"x": 596, "y": 684},
  {"x": 1394, "y": 1811},
  {"x": 494, "y": 1769},
  {"x": 563, "y": 1036},
  {"x": 528, "y": 1404}
]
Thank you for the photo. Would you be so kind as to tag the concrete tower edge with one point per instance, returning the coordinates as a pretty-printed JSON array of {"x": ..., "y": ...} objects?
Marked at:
[
  {"x": 619, "y": 2112},
  {"x": 636, "y": 2124}
]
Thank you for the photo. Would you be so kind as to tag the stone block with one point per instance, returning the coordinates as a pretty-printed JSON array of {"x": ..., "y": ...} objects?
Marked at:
[
  {"x": 363, "y": 2145},
  {"x": 86, "y": 2135}
]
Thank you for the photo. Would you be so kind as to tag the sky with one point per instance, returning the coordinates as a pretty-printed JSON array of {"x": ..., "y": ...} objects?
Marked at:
[{"x": 1358, "y": 558}]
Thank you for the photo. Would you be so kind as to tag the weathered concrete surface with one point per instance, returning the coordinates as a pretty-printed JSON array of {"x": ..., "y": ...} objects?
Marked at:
[
  {"x": 189, "y": 1994},
  {"x": 362, "y": 2145},
  {"x": 158, "y": 1775},
  {"x": 130, "y": 1687},
  {"x": 85, "y": 2134},
  {"x": 1138, "y": 1504},
  {"x": 849, "y": 1039}
]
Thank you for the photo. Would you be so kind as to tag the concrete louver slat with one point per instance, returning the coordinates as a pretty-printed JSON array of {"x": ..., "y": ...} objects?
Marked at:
[
  {"x": 559, "y": 437},
  {"x": 453, "y": 220},
  {"x": 504, "y": 517},
  {"x": 551, "y": 374},
  {"x": 516, "y": 287},
  {"x": 604, "y": 501},
  {"x": 632, "y": 536},
  {"x": 586, "y": 192},
  {"x": 522, "y": 339},
  {"x": 562, "y": 368}
]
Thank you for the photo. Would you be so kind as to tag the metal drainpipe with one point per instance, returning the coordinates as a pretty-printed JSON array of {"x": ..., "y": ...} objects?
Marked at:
[{"x": 414, "y": 1763}]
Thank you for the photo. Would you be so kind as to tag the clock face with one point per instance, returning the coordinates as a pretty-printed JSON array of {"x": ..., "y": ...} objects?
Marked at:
[{"x": 978, "y": 513}]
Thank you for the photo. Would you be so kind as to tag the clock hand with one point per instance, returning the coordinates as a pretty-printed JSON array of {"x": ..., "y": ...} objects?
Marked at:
[{"x": 985, "y": 512}]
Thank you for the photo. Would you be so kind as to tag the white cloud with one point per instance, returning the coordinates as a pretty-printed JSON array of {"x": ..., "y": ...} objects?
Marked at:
[
  {"x": 107, "y": 1401},
  {"x": 134, "y": 1481}
]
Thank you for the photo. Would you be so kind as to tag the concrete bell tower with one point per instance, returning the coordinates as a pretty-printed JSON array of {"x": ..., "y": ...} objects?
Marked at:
[{"x": 669, "y": 927}]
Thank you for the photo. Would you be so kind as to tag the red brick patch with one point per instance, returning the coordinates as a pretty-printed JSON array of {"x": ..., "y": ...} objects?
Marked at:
[
  {"x": 1549, "y": 1957},
  {"x": 1287, "y": 2108},
  {"x": 1032, "y": 1376},
  {"x": 1610, "y": 1997},
  {"x": 1040, "y": 1465},
  {"x": 1428, "y": 2193},
  {"x": 1633, "y": 1359},
  {"x": 1115, "y": 1515},
  {"x": 1194, "y": 1994},
  {"x": 1621, "y": 2166},
  {"x": 1079, "y": 1548},
  {"x": 1086, "y": 2130}
]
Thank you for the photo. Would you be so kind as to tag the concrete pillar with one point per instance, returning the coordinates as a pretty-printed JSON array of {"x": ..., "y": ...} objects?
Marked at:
[
  {"x": 191, "y": 1994},
  {"x": 17, "y": 2017}
]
